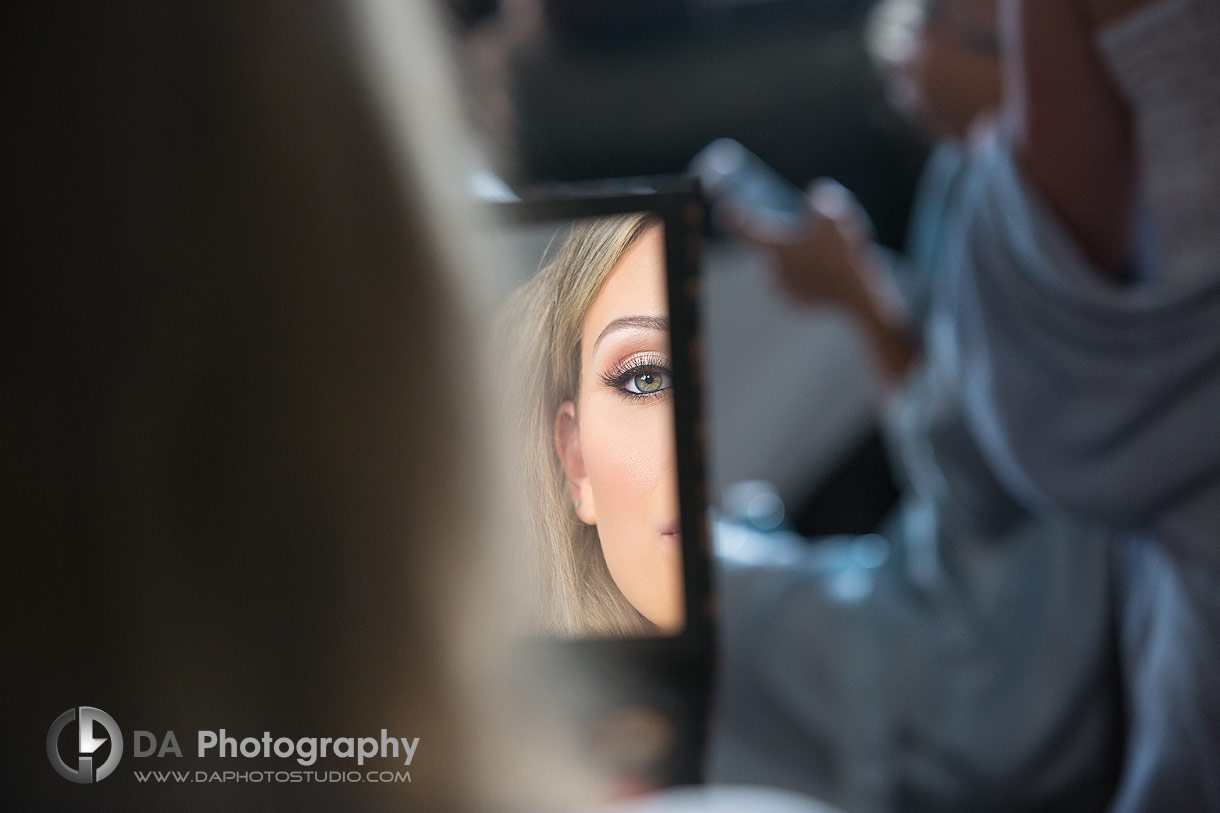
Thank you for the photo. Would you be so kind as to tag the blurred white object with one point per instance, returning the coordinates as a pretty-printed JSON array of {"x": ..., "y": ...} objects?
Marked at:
[
  {"x": 754, "y": 502},
  {"x": 722, "y": 799}
]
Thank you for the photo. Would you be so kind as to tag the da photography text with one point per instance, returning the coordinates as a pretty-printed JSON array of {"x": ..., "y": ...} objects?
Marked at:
[{"x": 306, "y": 750}]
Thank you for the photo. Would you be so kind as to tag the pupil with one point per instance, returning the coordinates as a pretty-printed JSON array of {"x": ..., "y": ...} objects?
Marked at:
[{"x": 646, "y": 382}]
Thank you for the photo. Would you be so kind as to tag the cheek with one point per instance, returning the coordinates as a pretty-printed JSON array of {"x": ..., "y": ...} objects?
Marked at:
[{"x": 629, "y": 454}]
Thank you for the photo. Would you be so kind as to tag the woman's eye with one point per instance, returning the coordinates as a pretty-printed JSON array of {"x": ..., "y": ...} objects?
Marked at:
[
  {"x": 646, "y": 382},
  {"x": 640, "y": 376}
]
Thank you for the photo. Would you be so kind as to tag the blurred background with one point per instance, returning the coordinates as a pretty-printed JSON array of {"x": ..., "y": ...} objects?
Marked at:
[{"x": 570, "y": 90}]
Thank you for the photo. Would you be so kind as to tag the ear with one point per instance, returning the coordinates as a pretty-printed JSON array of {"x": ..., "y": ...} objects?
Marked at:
[{"x": 567, "y": 446}]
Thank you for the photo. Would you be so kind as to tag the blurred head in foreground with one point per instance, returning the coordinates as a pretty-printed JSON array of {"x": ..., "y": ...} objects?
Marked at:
[
  {"x": 247, "y": 477},
  {"x": 940, "y": 60},
  {"x": 592, "y": 368}
]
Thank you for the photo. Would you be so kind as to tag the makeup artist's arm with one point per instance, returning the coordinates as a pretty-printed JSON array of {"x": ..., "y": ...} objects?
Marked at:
[{"x": 1072, "y": 131}]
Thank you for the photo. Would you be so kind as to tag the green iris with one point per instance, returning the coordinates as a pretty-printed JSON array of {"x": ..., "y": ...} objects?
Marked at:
[{"x": 647, "y": 382}]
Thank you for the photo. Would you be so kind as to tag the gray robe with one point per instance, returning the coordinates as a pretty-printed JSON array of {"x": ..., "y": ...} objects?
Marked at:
[
  {"x": 1104, "y": 398},
  {"x": 961, "y": 659}
]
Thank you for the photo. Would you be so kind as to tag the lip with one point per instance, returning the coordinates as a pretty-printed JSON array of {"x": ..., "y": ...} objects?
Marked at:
[{"x": 671, "y": 529}]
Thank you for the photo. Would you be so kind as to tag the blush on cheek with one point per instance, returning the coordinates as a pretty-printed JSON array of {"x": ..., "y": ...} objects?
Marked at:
[{"x": 629, "y": 457}]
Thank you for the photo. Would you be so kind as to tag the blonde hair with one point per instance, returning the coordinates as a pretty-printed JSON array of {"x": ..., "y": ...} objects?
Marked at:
[{"x": 542, "y": 324}]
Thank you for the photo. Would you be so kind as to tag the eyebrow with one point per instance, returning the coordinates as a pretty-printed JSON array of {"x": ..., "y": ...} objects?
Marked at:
[{"x": 628, "y": 322}]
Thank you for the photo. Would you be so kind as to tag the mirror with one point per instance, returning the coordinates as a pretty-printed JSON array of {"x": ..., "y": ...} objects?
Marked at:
[
  {"x": 586, "y": 335},
  {"x": 598, "y": 348}
]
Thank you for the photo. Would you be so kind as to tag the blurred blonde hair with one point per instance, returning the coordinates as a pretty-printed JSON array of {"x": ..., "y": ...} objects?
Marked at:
[
  {"x": 542, "y": 324},
  {"x": 255, "y": 481}
]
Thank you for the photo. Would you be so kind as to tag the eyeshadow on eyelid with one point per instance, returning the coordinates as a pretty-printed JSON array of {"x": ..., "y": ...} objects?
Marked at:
[
  {"x": 611, "y": 354},
  {"x": 646, "y": 355}
]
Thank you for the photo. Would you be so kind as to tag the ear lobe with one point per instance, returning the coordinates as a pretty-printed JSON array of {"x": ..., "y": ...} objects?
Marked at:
[{"x": 567, "y": 446}]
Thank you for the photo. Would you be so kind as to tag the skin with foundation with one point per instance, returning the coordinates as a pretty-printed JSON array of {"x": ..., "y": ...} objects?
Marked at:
[{"x": 615, "y": 440}]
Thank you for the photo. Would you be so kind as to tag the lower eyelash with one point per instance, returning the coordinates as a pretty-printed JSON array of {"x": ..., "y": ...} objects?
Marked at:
[{"x": 632, "y": 373}]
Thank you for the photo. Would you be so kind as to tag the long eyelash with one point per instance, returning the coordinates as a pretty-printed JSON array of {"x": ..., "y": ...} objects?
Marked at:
[{"x": 632, "y": 366}]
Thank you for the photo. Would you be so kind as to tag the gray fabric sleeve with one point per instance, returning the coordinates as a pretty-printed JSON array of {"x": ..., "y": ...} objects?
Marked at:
[
  {"x": 1165, "y": 59},
  {"x": 1100, "y": 397}
]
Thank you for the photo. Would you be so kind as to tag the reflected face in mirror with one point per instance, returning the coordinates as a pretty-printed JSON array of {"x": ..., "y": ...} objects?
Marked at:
[{"x": 615, "y": 440}]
